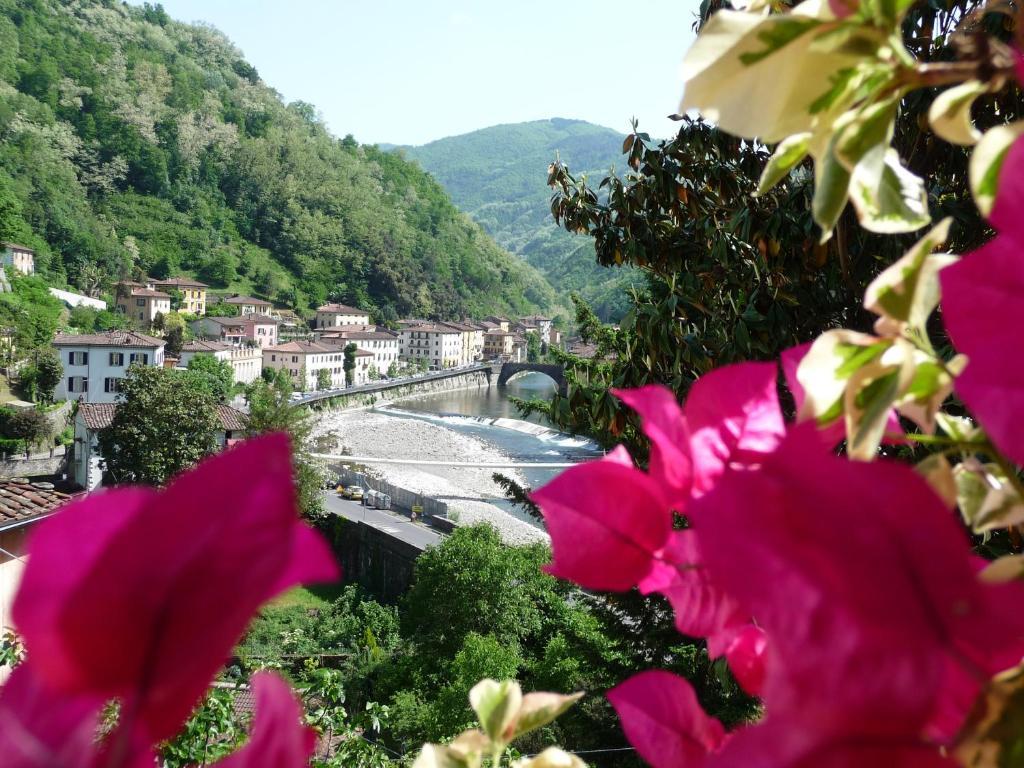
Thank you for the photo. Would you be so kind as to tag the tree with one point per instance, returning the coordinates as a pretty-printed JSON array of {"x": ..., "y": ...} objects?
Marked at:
[
  {"x": 350, "y": 364},
  {"x": 164, "y": 424},
  {"x": 393, "y": 370},
  {"x": 214, "y": 377},
  {"x": 532, "y": 347},
  {"x": 49, "y": 372},
  {"x": 323, "y": 379},
  {"x": 177, "y": 299},
  {"x": 175, "y": 340},
  {"x": 28, "y": 425}
]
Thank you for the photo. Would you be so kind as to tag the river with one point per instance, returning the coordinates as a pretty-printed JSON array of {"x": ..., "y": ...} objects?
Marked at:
[{"x": 489, "y": 415}]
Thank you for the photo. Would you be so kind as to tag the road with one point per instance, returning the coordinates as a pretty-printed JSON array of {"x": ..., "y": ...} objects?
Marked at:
[
  {"x": 382, "y": 385},
  {"x": 392, "y": 523}
]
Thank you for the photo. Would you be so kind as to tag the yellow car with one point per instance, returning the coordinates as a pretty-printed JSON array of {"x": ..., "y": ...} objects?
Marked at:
[{"x": 353, "y": 492}]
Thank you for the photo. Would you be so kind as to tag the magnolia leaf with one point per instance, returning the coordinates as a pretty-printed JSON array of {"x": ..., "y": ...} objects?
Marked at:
[
  {"x": 541, "y": 708},
  {"x": 826, "y": 368},
  {"x": 986, "y": 498},
  {"x": 864, "y": 131},
  {"x": 937, "y": 470},
  {"x": 759, "y": 75},
  {"x": 993, "y": 736},
  {"x": 496, "y": 705},
  {"x": 1003, "y": 569},
  {"x": 950, "y": 113},
  {"x": 831, "y": 190},
  {"x": 889, "y": 199},
  {"x": 987, "y": 161},
  {"x": 787, "y": 156},
  {"x": 908, "y": 290},
  {"x": 552, "y": 757}
]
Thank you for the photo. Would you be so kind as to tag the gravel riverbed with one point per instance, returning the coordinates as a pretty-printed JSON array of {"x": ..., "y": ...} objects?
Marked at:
[{"x": 463, "y": 489}]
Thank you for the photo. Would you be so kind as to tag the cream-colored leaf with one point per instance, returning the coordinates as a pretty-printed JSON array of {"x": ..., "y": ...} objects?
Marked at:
[
  {"x": 758, "y": 76},
  {"x": 950, "y": 113},
  {"x": 908, "y": 290},
  {"x": 440, "y": 756},
  {"x": 889, "y": 199},
  {"x": 987, "y": 161},
  {"x": 552, "y": 757},
  {"x": 937, "y": 470},
  {"x": 957, "y": 427},
  {"x": 496, "y": 705},
  {"x": 992, "y": 736},
  {"x": 540, "y": 708},
  {"x": 986, "y": 498},
  {"x": 787, "y": 155},
  {"x": 821, "y": 372},
  {"x": 871, "y": 394},
  {"x": 1003, "y": 569}
]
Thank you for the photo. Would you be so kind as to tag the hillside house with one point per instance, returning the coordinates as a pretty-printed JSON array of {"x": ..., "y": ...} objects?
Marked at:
[
  {"x": 91, "y": 418},
  {"x": 303, "y": 361},
  {"x": 95, "y": 363},
  {"x": 193, "y": 293},
  {"x": 336, "y": 315},
  {"x": 381, "y": 344},
  {"x": 254, "y": 329},
  {"x": 141, "y": 303},
  {"x": 246, "y": 360},
  {"x": 439, "y": 345},
  {"x": 20, "y": 258},
  {"x": 249, "y": 305}
]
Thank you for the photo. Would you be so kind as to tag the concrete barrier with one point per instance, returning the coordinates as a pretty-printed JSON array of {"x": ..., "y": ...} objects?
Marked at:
[{"x": 401, "y": 498}]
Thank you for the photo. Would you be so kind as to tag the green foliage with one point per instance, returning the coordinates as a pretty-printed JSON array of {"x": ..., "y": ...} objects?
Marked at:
[
  {"x": 31, "y": 311},
  {"x": 212, "y": 732},
  {"x": 532, "y": 347},
  {"x": 134, "y": 143},
  {"x": 41, "y": 374},
  {"x": 164, "y": 424},
  {"x": 323, "y": 378},
  {"x": 26, "y": 425},
  {"x": 497, "y": 176},
  {"x": 216, "y": 378},
  {"x": 349, "y": 365}
]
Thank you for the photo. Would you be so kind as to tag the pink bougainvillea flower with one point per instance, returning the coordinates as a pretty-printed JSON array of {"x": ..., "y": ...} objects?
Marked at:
[
  {"x": 662, "y": 719},
  {"x": 141, "y": 594},
  {"x": 41, "y": 728},
  {"x": 843, "y": 8},
  {"x": 607, "y": 521},
  {"x": 866, "y": 589},
  {"x": 746, "y": 652},
  {"x": 982, "y": 307},
  {"x": 278, "y": 738}
]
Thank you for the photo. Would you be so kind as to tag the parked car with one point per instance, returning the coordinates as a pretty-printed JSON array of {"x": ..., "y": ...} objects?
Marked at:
[{"x": 354, "y": 492}]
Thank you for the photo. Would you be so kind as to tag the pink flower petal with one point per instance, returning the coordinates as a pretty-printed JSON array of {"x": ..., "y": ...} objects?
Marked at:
[
  {"x": 142, "y": 595},
  {"x": 789, "y": 361},
  {"x": 733, "y": 415},
  {"x": 279, "y": 738},
  {"x": 661, "y": 717},
  {"x": 662, "y": 422},
  {"x": 41, "y": 728},
  {"x": 982, "y": 305},
  {"x": 745, "y": 655},
  {"x": 607, "y": 521}
]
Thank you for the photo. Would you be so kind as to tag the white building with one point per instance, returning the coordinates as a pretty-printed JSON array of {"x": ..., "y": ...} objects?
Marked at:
[
  {"x": 439, "y": 345},
  {"x": 303, "y": 360},
  {"x": 20, "y": 257},
  {"x": 381, "y": 344},
  {"x": 246, "y": 360},
  {"x": 95, "y": 363},
  {"x": 140, "y": 303},
  {"x": 92, "y": 418},
  {"x": 248, "y": 305},
  {"x": 336, "y": 315},
  {"x": 542, "y": 324}
]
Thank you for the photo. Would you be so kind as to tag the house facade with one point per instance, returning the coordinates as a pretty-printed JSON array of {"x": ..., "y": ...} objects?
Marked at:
[
  {"x": 382, "y": 345},
  {"x": 541, "y": 324},
  {"x": 249, "y": 305},
  {"x": 336, "y": 315},
  {"x": 499, "y": 345},
  {"x": 246, "y": 360},
  {"x": 303, "y": 361},
  {"x": 95, "y": 363},
  {"x": 193, "y": 293},
  {"x": 439, "y": 345},
  {"x": 92, "y": 418},
  {"x": 256, "y": 329},
  {"x": 140, "y": 303},
  {"x": 20, "y": 258}
]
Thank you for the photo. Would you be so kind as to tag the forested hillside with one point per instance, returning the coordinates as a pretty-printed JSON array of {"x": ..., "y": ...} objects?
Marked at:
[
  {"x": 132, "y": 143},
  {"x": 498, "y": 175}
]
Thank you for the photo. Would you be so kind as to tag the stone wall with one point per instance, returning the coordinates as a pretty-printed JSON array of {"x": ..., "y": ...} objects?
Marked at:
[
  {"x": 377, "y": 561},
  {"x": 477, "y": 379}
]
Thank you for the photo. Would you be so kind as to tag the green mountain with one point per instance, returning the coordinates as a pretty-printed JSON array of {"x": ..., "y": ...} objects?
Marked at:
[
  {"x": 498, "y": 176},
  {"x": 132, "y": 143}
]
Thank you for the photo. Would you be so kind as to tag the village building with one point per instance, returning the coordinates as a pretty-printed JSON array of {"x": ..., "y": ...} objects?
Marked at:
[
  {"x": 335, "y": 315},
  {"x": 248, "y": 305},
  {"x": 193, "y": 293},
  {"x": 472, "y": 341},
  {"x": 303, "y": 361},
  {"x": 92, "y": 418},
  {"x": 95, "y": 363},
  {"x": 382, "y": 344},
  {"x": 141, "y": 303},
  {"x": 438, "y": 345},
  {"x": 20, "y": 258},
  {"x": 364, "y": 365},
  {"x": 541, "y": 324},
  {"x": 246, "y": 360},
  {"x": 257, "y": 329},
  {"x": 499, "y": 345},
  {"x": 23, "y": 504},
  {"x": 502, "y": 323},
  {"x": 291, "y": 326}
]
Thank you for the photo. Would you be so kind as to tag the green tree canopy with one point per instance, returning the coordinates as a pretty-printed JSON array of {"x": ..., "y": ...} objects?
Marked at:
[{"x": 214, "y": 377}]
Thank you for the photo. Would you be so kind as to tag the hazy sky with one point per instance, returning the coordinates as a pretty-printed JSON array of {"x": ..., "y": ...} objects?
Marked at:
[{"x": 411, "y": 71}]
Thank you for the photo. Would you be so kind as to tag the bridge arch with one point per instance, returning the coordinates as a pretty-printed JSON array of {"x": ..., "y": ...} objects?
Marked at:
[{"x": 554, "y": 372}]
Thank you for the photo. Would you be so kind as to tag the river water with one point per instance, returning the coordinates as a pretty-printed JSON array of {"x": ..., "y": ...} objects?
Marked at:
[{"x": 489, "y": 414}]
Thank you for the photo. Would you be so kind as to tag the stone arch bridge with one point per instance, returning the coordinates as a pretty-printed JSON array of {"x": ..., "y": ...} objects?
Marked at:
[{"x": 554, "y": 372}]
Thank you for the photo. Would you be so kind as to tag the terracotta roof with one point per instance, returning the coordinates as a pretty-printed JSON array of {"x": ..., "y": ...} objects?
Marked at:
[
  {"x": 181, "y": 281},
  {"x": 305, "y": 347},
  {"x": 223, "y": 320},
  {"x": 107, "y": 339},
  {"x": 201, "y": 345},
  {"x": 535, "y": 319},
  {"x": 149, "y": 293},
  {"x": 341, "y": 309},
  {"x": 231, "y": 419},
  {"x": 341, "y": 335},
  {"x": 363, "y": 353},
  {"x": 429, "y": 328},
  {"x": 19, "y": 247},
  {"x": 247, "y": 300},
  {"x": 22, "y": 501},
  {"x": 100, "y": 416}
]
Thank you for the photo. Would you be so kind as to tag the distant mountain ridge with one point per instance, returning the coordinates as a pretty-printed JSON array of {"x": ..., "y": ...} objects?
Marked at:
[{"x": 498, "y": 175}]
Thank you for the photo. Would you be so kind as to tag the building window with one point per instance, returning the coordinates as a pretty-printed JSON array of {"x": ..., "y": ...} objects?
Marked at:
[
  {"x": 273, "y": 358},
  {"x": 139, "y": 357},
  {"x": 140, "y": 302},
  {"x": 78, "y": 358},
  {"x": 77, "y": 384},
  {"x": 111, "y": 384},
  {"x": 117, "y": 358}
]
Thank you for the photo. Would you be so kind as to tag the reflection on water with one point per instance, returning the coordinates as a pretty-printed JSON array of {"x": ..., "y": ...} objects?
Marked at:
[{"x": 492, "y": 401}]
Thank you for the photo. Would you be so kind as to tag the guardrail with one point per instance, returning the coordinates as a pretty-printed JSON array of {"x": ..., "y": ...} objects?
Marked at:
[{"x": 383, "y": 386}]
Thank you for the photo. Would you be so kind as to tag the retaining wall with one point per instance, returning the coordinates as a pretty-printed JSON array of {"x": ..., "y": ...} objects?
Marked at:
[
  {"x": 401, "y": 498},
  {"x": 476, "y": 379}
]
